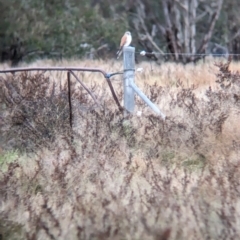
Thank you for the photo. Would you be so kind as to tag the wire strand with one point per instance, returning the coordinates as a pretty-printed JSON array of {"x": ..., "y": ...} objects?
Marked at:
[{"x": 190, "y": 54}]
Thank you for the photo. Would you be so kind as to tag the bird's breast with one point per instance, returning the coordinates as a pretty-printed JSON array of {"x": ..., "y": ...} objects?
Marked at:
[{"x": 128, "y": 41}]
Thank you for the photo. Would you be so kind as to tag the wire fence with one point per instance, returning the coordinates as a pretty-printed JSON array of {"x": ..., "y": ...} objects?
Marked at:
[
  {"x": 185, "y": 58},
  {"x": 71, "y": 72},
  {"x": 188, "y": 54}
]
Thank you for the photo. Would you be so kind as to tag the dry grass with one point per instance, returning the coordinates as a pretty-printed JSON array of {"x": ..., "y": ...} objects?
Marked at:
[{"x": 134, "y": 178}]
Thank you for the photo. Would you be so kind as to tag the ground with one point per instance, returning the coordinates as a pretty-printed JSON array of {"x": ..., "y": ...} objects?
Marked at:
[{"x": 112, "y": 177}]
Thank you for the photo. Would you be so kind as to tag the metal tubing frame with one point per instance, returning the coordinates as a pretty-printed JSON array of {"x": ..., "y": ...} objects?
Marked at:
[
  {"x": 70, "y": 71},
  {"x": 83, "y": 69}
]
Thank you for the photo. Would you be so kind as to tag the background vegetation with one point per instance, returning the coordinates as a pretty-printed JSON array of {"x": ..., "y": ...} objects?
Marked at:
[{"x": 68, "y": 28}]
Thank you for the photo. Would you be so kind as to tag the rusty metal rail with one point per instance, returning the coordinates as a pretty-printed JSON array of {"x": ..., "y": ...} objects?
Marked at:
[
  {"x": 70, "y": 71},
  {"x": 82, "y": 69},
  {"x": 106, "y": 75}
]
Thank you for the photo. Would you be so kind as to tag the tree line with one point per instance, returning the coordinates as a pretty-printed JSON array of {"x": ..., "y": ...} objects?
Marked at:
[{"x": 70, "y": 28}]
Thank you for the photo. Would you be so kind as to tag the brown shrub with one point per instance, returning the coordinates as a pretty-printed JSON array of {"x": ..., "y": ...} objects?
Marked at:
[{"x": 134, "y": 178}]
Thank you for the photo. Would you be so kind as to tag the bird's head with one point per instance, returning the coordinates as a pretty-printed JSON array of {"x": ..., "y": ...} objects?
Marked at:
[{"x": 128, "y": 33}]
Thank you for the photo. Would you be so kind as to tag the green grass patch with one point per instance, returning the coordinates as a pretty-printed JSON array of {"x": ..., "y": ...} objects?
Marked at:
[
  {"x": 7, "y": 158},
  {"x": 195, "y": 162}
]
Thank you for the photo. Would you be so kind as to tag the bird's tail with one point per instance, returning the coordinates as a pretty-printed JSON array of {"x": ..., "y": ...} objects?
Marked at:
[{"x": 119, "y": 52}]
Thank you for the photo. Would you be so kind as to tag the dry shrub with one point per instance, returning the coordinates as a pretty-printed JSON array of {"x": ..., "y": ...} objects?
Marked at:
[
  {"x": 127, "y": 178},
  {"x": 33, "y": 110}
]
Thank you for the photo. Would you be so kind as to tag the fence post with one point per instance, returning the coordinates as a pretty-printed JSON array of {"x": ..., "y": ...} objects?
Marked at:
[{"x": 128, "y": 78}]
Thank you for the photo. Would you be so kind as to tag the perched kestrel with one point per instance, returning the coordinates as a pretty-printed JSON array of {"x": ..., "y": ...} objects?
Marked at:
[{"x": 125, "y": 41}]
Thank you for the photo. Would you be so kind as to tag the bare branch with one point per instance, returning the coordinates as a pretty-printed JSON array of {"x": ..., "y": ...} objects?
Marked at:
[
  {"x": 141, "y": 15},
  {"x": 169, "y": 30},
  {"x": 210, "y": 28}
]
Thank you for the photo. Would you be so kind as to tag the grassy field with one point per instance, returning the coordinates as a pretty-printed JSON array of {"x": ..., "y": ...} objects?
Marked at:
[{"x": 121, "y": 178}]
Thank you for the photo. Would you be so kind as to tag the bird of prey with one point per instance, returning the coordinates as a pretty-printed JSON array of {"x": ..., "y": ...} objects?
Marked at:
[{"x": 125, "y": 41}]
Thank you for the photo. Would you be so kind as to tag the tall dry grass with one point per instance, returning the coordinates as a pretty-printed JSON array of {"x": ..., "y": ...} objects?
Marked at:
[{"x": 121, "y": 178}]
